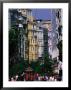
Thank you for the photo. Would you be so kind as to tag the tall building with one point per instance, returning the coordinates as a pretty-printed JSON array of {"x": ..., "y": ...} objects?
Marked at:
[
  {"x": 18, "y": 21},
  {"x": 42, "y": 37},
  {"x": 46, "y": 24},
  {"x": 56, "y": 32},
  {"x": 13, "y": 27},
  {"x": 59, "y": 28},
  {"x": 40, "y": 42},
  {"x": 28, "y": 34},
  {"x": 39, "y": 33},
  {"x": 12, "y": 18},
  {"x": 53, "y": 36},
  {"x": 22, "y": 19},
  {"x": 32, "y": 40},
  {"x": 56, "y": 38}
]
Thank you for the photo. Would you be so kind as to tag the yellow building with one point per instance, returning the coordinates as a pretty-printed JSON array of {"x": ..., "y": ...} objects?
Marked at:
[
  {"x": 33, "y": 45},
  {"x": 29, "y": 26},
  {"x": 32, "y": 48}
]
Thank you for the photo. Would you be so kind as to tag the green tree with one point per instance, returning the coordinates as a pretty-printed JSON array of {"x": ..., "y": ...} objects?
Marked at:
[
  {"x": 13, "y": 41},
  {"x": 13, "y": 45},
  {"x": 48, "y": 64}
]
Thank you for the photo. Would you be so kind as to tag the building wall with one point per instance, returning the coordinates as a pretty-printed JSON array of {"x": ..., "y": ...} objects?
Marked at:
[
  {"x": 33, "y": 48},
  {"x": 40, "y": 42},
  {"x": 30, "y": 53},
  {"x": 47, "y": 24},
  {"x": 57, "y": 31},
  {"x": 16, "y": 21},
  {"x": 53, "y": 35},
  {"x": 59, "y": 28}
]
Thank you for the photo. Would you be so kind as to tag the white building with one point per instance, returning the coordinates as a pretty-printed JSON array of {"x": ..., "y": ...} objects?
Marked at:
[
  {"x": 40, "y": 42},
  {"x": 53, "y": 36},
  {"x": 39, "y": 34}
]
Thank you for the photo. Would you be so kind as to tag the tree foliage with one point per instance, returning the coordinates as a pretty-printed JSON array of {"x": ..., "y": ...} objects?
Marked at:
[
  {"x": 48, "y": 64},
  {"x": 13, "y": 45},
  {"x": 13, "y": 41}
]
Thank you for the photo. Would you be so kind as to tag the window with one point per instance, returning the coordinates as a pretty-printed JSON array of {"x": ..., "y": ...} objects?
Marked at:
[
  {"x": 32, "y": 48},
  {"x": 34, "y": 26}
]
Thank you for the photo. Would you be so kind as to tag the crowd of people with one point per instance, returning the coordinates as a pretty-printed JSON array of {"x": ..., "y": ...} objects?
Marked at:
[{"x": 35, "y": 77}]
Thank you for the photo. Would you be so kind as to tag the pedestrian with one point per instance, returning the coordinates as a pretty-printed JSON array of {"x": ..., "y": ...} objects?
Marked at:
[
  {"x": 16, "y": 77},
  {"x": 51, "y": 78},
  {"x": 46, "y": 77}
]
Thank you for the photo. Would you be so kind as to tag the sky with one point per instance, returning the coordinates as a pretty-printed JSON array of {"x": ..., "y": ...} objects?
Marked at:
[{"x": 44, "y": 14}]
